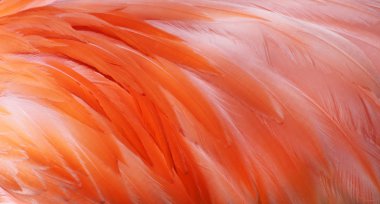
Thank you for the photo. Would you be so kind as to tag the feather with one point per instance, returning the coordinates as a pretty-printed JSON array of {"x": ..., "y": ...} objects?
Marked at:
[{"x": 189, "y": 102}]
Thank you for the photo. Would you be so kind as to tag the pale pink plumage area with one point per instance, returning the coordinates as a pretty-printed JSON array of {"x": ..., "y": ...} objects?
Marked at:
[{"x": 119, "y": 101}]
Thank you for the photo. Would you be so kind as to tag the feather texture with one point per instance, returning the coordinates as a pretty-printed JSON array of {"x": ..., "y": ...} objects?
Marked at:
[{"x": 198, "y": 102}]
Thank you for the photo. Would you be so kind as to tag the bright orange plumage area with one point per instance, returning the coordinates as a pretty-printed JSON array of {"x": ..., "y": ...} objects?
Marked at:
[{"x": 124, "y": 101}]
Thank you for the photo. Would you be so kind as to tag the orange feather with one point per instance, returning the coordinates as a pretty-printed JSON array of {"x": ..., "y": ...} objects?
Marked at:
[{"x": 125, "y": 101}]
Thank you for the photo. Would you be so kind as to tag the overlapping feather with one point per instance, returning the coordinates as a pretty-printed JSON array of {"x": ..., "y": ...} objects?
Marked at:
[{"x": 197, "y": 102}]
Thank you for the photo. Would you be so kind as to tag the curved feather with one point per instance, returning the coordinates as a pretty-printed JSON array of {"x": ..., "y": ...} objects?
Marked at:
[{"x": 196, "y": 102}]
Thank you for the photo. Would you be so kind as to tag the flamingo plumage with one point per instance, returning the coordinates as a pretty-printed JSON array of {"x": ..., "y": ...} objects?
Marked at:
[{"x": 125, "y": 101}]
